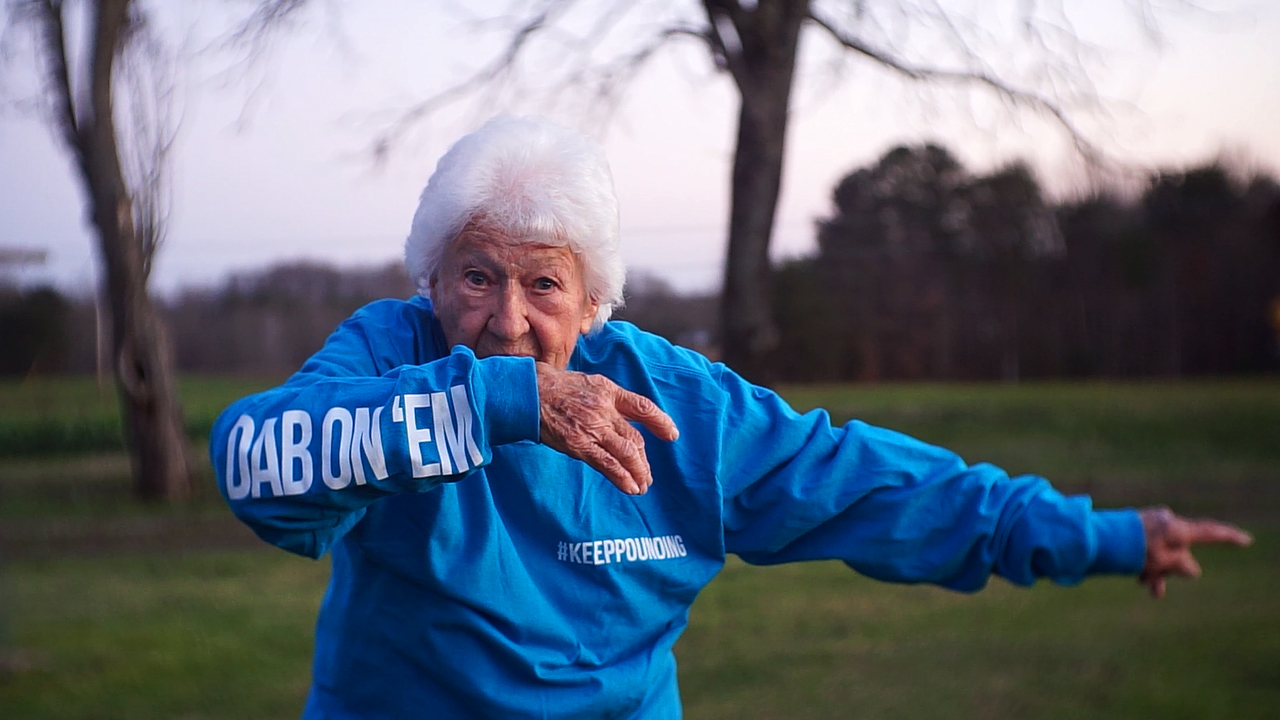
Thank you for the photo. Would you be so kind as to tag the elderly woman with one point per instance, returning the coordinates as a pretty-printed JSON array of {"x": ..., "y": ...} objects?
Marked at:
[{"x": 454, "y": 454}]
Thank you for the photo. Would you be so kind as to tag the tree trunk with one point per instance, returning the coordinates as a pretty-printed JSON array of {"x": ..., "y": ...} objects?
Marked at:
[
  {"x": 763, "y": 70},
  {"x": 142, "y": 358},
  {"x": 141, "y": 354},
  {"x": 143, "y": 363}
]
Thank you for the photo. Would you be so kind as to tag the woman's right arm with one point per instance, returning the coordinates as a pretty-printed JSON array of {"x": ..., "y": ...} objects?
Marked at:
[{"x": 300, "y": 462}]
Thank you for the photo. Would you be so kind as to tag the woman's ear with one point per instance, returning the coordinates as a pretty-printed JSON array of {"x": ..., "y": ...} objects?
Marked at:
[
  {"x": 431, "y": 286},
  {"x": 588, "y": 316}
]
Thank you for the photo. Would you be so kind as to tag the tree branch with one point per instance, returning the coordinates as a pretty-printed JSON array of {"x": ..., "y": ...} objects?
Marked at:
[
  {"x": 47, "y": 14},
  {"x": 255, "y": 31},
  {"x": 147, "y": 108},
  {"x": 110, "y": 24},
  {"x": 1014, "y": 96},
  {"x": 731, "y": 10},
  {"x": 537, "y": 23},
  {"x": 385, "y": 139},
  {"x": 607, "y": 83},
  {"x": 728, "y": 53}
]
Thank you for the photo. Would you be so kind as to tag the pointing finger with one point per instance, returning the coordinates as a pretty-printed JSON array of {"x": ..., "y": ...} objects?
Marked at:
[
  {"x": 647, "y": 413},
  {"x": 1212, "y": 531}
]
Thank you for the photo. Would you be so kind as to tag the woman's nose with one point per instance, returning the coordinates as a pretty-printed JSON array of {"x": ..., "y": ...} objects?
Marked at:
[{"x": 510, "y": 319}]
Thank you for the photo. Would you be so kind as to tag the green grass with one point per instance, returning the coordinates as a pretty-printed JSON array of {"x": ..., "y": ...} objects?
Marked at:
[
  {"x": 1207, "y": 446},
  {"x": 816, "y": 641},
  {"x": 51, "y": 416},
  {"x": 228, "y": 635},
  {"x": 117, "y": 610},
  {"x": 209, "y": 635}
]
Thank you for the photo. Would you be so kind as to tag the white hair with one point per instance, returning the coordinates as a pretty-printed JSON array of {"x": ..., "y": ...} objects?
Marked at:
[{"x": 534, "y": 181}]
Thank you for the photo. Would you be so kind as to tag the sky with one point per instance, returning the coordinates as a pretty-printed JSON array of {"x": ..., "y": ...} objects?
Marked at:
[{"x": 271, "y": 163}]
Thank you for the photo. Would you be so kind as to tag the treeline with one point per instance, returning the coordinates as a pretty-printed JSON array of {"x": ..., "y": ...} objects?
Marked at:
[
  {"x": 929, "y": 271},
  {"x": 925, "y": 271},
  {"x": 264, "y": 322},
  {"x": 271, "y": 321},
  {"x": 268, "y": 322}
]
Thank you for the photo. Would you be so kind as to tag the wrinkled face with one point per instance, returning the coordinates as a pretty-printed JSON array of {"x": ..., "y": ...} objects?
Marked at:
[{"x": 498, "y": 296}]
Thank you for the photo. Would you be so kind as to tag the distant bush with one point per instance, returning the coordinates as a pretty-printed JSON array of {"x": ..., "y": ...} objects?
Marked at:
[{"x": 32, "y": 325}]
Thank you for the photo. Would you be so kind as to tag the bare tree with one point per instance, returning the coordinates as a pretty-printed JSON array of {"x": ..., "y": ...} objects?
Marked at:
[
  {"x": 757, "y": 43},
  {"x": 108, "y": 101}
]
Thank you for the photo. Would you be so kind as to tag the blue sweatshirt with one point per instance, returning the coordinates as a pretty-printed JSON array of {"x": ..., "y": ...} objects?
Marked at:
[{"x": 477, "y": 573}]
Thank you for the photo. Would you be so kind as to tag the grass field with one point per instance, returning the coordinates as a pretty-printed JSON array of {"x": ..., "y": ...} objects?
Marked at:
[
  {"x": 112, "y": 610},
  {"x": 43, "y": 417}
]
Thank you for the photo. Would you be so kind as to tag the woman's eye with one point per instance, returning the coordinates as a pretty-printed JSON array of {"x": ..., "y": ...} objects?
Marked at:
[
  {"x": 544, "y": 284},
  {"x": 474, "y": 277}
]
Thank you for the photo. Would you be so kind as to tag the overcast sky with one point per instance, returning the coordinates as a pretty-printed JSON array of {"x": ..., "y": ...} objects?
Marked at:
[{"x": 271, "y": 167}]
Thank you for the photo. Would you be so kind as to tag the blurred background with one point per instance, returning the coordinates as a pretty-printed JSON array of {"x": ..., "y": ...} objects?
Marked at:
[{"x": 1043, "y": 234}]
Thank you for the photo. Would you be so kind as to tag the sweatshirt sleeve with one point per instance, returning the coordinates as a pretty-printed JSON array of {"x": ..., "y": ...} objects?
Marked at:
[
  {"x": 898, "y": 509},
  {"x": 299, "y": 463}
]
